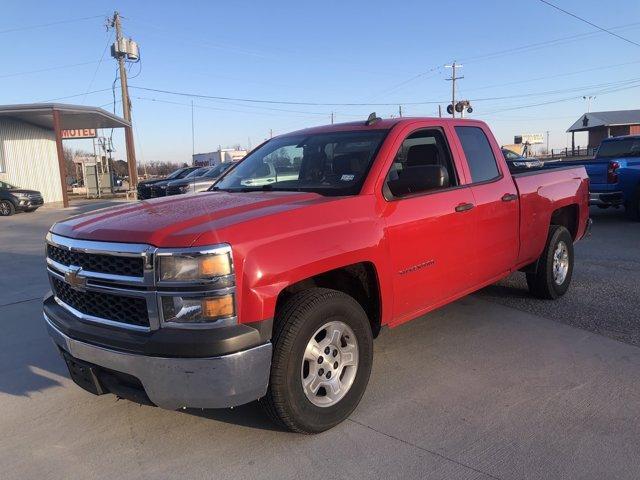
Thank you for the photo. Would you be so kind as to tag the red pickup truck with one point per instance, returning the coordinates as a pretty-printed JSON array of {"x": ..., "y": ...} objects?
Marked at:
[{"x": 273, "y": 284}]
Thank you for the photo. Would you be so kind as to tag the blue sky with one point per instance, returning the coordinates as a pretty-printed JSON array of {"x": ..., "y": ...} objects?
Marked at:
[{"x": 324, "y": 52}]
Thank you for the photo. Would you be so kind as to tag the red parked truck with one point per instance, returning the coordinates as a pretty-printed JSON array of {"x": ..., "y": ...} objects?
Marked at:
[{"x": 273, "y": 284}]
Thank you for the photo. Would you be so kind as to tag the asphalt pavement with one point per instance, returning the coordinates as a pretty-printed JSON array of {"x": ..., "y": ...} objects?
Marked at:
[
  {"x": 496, "y": 385},
  {"x": 605, "y": 292}
]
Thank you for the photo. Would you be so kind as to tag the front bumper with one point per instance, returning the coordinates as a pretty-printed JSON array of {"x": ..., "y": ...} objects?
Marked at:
[
  {"x": 29, "y": 203},
  {"x": 606, "y": 199},
  {"x": 173, "y": 383}
]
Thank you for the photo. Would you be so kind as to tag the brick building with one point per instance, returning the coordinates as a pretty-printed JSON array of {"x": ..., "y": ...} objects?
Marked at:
[{"x": 601, "y": 125}]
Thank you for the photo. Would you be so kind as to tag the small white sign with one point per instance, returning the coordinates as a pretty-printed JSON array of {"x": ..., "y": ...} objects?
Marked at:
[
  {"x": 347, "y": 178},
  {"x": 532, "y": 138}
]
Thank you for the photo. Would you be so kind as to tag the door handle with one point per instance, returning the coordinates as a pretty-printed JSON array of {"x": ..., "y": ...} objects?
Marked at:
[
  {"x": 509, "y": 197},
  {"x": 463, "y": 207}
]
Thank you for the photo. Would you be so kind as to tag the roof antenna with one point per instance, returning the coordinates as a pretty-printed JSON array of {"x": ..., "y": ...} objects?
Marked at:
[{"x": 372, "y": 119}]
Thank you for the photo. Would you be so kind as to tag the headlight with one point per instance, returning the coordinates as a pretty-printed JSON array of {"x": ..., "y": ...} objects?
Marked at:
[
  {"x": 195, "y": 266},
  {"x": 194, "y": 310}
]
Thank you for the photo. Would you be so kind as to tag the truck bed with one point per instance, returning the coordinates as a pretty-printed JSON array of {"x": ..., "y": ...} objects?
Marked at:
[{"x": 542, "y": 192}]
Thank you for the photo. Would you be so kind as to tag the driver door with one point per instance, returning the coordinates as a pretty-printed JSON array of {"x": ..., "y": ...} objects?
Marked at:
[{"x": 428, "y": 230}]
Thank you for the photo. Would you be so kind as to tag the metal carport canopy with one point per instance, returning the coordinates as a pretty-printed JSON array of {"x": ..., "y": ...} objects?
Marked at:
[
  {"x": 71, "y": 116},
  {"x": 60, "y": 116}
]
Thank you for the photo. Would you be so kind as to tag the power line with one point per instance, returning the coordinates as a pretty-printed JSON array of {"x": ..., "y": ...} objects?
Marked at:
[
  {"x": 43, "y": 25},
  {"x": 49, "y": 69},
  {"x": 566, "y": 99},
  {"x": 541, "y": 45},
  {"x": 106, "y": 47},
  {"x": 546, "y": 77},
  {"x": 279, "y": 102},
  {"x": 77, "y": 95},
  {"x": 206, "y": 107},
  {"x": 394, "y": 104},
  {"x": 590, "y": 23},
  {"x": 556, "y": 92}
]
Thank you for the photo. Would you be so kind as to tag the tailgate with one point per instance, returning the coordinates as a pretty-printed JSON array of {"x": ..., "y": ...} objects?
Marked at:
[{"x": 597, "y": 170}]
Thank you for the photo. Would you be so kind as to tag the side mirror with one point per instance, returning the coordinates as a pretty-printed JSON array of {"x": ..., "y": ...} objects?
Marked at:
[{"x": 419, "y": 178}]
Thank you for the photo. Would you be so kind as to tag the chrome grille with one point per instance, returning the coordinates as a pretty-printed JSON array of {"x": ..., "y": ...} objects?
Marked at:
[
  {"x": 110, "y": 264},
  {"x": 128, "y": 310}
]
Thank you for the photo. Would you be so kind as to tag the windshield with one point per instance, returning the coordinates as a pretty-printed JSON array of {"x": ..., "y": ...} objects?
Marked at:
[
  {"x": 511, "y": 156},
  {"x": 176, "y": 174},
  {"x": 197, "y": 172},
  {"x": 629, "y": 147},
  {"x": 334, "y": 163},
  {"x": 218, "y": 170}
]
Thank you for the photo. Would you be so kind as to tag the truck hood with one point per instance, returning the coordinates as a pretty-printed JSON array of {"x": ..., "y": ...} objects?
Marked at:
[
  {"x": 179, "y": 221},
  {"x": 23, "y": 190}
]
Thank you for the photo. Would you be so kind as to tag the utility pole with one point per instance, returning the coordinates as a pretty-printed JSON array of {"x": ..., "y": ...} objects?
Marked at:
[
  {"x": 331, "y": 118},
  {"x": 440, "y": 111},
  {"x": 453, "y": 79},
  {"x": 400, "y": 110},
  {"x": 120, "y": 54},
  {"x": 271, "y": 133}
]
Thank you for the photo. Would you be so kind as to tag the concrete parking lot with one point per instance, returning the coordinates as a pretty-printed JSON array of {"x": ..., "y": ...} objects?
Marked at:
[{"x": 497, "y": 385}]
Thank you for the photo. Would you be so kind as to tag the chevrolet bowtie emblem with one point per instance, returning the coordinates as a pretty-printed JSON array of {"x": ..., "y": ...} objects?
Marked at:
[{"x": 73, "y": 278}]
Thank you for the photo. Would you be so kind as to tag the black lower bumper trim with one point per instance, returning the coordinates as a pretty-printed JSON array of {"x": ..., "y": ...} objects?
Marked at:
[{"x": 165, "y": 342}]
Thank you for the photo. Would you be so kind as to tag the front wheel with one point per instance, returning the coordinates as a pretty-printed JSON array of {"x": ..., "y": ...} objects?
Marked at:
[
  {"x": 555, "y": 266},
  {"x": 6, "y": 208},
  {"x": 323, "y": 352}
]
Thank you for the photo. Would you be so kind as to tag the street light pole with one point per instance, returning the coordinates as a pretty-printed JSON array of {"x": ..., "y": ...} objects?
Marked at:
[{"x": 588, "y": 98}]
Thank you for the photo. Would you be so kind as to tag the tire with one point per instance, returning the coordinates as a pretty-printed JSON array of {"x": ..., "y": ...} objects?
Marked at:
[
  {"x": 6, "y": 208},
  {"x": 299, "y": 322},
  {"x": 553, "y": 275}
]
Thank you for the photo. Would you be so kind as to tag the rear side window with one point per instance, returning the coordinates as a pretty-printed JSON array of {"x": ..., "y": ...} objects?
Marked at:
[{"x": 480, "y": 158}]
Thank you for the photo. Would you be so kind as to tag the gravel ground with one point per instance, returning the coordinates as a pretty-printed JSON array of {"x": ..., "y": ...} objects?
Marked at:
[{"x": 605, "y": 292}]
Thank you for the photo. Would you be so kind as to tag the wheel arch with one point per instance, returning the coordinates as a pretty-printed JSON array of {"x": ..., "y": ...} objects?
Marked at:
[
  {"x": 567, "y": 216},
  {"x": 358, "y": 280}
]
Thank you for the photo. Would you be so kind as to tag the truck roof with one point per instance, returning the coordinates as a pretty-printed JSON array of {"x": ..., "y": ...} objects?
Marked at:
[
  {"x": 622, "y": 137},
  {"x": 381, "y": 124}
]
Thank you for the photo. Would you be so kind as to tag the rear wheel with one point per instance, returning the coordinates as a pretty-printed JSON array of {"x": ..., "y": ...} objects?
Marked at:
[
  {"x": 323, "y": 351},
  {"x": 555, "y": 266},
  {"x": 6, "y": 208}
]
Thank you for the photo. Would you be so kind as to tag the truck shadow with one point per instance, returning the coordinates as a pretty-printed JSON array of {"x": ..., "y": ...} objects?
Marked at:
[
  {"x": 250, "y": 415},
  {"x": 29, "y": 361}
]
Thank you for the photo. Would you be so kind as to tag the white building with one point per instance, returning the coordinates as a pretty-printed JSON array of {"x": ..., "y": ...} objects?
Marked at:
[
  {"x": 223, "y": 155},
  {"x": 31, "y": 154}
]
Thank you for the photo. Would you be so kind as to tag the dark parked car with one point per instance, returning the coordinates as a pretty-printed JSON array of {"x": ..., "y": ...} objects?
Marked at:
[
  {"x": 518, "y": 163},
  {"x": 199, "y": 184},
  {"x": 14, "y": 199},
  {"x": 159, "y": 189},
  {"x": 144, "y": 188}
]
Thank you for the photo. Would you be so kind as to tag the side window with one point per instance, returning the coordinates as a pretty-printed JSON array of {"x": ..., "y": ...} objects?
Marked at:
[
  {"x": 477, "y": 149},
  {"x": 423, "y": 163}
]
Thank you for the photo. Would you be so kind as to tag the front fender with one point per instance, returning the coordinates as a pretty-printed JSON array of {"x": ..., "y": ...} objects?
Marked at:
[{"x": 274, "y": 262}]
